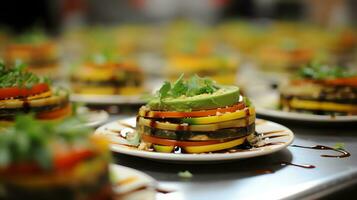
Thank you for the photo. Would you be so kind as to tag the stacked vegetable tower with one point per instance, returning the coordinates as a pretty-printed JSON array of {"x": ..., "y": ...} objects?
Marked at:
[
  {"x": 38, "y": 51},
  {"x": 195, "y": 116},
  {"x": 52, "y": 160},
  {"x": 321, "y": 89},
  {"x": 24, "y": 92},
  {"x": 108, "y": 76}
]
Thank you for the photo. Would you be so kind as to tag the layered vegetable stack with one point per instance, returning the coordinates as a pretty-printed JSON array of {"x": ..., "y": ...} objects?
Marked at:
[
  {"x": 104, "y": 76},
  {"x": 321, "y": 89},
  {"x": 196, "y": 116},
  {"x": 24, "y": 92},
  {"x": 37, "y": 51},
  {"x": 48, "y": 160}
]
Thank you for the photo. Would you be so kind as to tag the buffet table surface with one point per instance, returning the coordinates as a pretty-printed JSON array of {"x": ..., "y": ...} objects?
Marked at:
[{"x": 264, "y": 177}]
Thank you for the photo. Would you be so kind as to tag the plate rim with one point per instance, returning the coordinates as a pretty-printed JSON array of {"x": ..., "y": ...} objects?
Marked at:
[
  {"x": 106, "y": 99},
  {"x": 302, "y": 116},
  {"x": 201, "y": 157},
  {"x": 96, "y": 123},
  {"x": 151, "y": 182}
]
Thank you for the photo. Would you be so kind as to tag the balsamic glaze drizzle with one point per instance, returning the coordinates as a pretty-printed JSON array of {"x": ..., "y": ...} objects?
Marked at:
[
  {"x": 306, "y": 166},
  {"x": 343, "y": 153}
]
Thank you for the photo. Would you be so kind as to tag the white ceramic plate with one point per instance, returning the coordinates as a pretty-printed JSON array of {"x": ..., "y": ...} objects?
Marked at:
[
  {"x": 96, "y": 118},
  {"x": 107, "y": 99},
  {"x": 131, "y": 184},
  {"x": 93, "y": 118},
  {"x": 284, "y": 138},
  {"x": 266, "y": 105}
]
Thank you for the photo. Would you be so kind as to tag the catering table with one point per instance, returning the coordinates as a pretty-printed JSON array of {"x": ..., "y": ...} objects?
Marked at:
[{"x": 264, "y": 177}]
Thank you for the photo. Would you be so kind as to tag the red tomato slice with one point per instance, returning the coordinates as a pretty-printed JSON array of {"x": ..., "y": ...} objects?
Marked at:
[
  {"x": 21, "y": 168},
  {"x": 69, "y": 159},
  {"x": 55, "y": 114},
  {"x": 62, "y": 161},
  {"x": 169, "y": 142},
  {"x": 23, "y": 92},
  {"x": 198, "y": 113},
  {"x": 351, "y": 81}
]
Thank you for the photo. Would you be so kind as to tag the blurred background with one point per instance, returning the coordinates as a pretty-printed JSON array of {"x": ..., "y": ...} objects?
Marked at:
[{"x": 242, "y": 42}]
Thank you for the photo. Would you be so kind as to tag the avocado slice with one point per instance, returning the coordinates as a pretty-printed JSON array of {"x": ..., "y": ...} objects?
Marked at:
[{"x": 225, "y": 96}]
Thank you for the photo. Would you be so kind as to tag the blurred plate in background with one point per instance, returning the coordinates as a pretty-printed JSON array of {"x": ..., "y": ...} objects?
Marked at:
[{"x": 107, "y": 99}]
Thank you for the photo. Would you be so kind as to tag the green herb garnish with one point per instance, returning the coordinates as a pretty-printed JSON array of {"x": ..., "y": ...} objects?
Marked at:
[
  {"x": 247, "y": 101},
  {"x": 318, "y": 72},
  {"x": 339, "y": 146},
  {"x": 191, "y": 87},
  {"x": 104, "y": 56},
  {"x": 34, "y": 36},
  {"x": 30, "y": 140},
  {"x": 185, "y": 174},
  {"x": 17, "y": 77}
]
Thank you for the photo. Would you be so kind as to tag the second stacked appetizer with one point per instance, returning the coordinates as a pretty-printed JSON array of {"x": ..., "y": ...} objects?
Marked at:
[
  {"x": 36, "y": 50},
  {"x": 322, "y": 90},
  {"x": 107, "y": 76},
  {"x": 53, "y": 160},
  {"x": 24, "y": 92},
  {"x": 196, "y": 116}
]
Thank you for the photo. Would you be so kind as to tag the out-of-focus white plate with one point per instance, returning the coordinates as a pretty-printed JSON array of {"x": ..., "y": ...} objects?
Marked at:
[
  {"x": 96, "y": 118},
  {"x": 284, "y": 137},
  {"x": 92, "y": 118},
  {"x": 266, "y": 105},
  {"x": 107, "y": 99},
  {"x": 131, "y": 184}
]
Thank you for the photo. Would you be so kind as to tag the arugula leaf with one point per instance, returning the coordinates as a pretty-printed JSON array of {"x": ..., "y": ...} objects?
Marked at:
[
  {"x": 195, "y": 85},
  {"x": 16, "y": 76},
  {"x": 179, "y": 87},
  {"x": 164, "y": 90}
]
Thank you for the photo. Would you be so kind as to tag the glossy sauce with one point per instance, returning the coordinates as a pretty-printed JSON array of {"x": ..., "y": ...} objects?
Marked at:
[
  {"x": 275, "y": 136},
  {"x": 152, "y": 123},
  {"x": 343, "y": 153},
  {"x": 114, "y": 83},
  {"x": 26, "y": 105},
  {"x": 163, "y": 191},
  {"x": 177, "y": 150},
  {"x": 306, "y": 166},
  {"x": 247, "y": 113}
]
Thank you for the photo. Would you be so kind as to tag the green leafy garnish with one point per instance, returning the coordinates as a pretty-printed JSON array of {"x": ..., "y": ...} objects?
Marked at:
[
  {"x": 30, "y": 140},
  {"x": 16, "y": 76},
  {"x": 164, "y": 90},
  {"x": 185, "y": 174},
  {"x": 193, "y": 86},
  {"x": 33, "y": 36},
  {"x": 104, "y": 56},
  {"x": 339, "y": 146},
  {"x": 247, "y": 101},
  {"x": 318, "y": 72}
]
